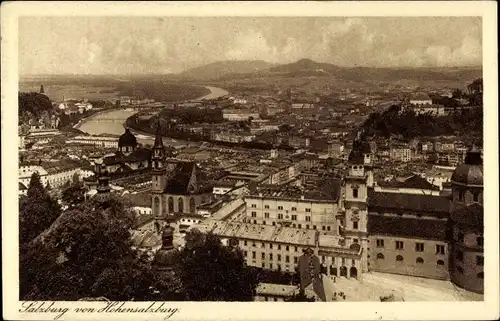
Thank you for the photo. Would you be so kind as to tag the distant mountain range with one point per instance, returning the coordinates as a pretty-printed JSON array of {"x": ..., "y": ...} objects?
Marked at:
[
  {"x": 306, "y": 67},
  {"x": 220, "y": 69}
]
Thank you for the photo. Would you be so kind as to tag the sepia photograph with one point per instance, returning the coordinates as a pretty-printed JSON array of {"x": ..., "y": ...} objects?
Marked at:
[{"x": 165, "y": 158}]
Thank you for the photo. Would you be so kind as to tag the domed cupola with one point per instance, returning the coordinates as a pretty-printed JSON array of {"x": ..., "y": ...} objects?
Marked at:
[
  {"x": 127, "y": 142},
  {"x": 470, "y": 173},
  {"x": 467, "y": 180}
]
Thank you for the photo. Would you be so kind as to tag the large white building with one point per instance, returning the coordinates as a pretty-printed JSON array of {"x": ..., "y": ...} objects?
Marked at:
[{"x": 98, "y": 141}]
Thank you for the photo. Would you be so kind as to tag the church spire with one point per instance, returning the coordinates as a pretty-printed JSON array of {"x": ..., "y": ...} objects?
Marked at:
[{"x": 101, "y": 173}]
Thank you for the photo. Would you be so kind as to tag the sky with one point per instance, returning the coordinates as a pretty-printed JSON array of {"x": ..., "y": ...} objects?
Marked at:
[{"x": 135, "y": 45}]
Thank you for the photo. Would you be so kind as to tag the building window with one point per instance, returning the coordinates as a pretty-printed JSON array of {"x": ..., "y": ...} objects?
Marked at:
[
  {"x": 314, "y": 227},
  {"x": 355, "y": 225},
  {"x": 270, "y": 246},
  {"x": 399, "y": 258},
  {"x": 355, "y": 192},
  {"x": 308, "y": 210},
  {"x": 254, "y": 221},
  {"x": 308, "y": 219},
  {"x": 380, "y": 256},
  {"x": 420, "y": 260},
  {"x": 294, "y": 217},
  {"x": 460, "y": 255},
  {"x": 280, "y": 208},
  {"x": 479, "y": 260},
  {"x": 480, "y": 275},
  {"x": 279, "y": 247},
  {"x": 263, "y": 256},
  {"x": 440, "y": 262},
  {"x": 307, "y": 226},
  {"x": 253, "y": 244},
  {"x": 475, "y": 197},
  {"x": 279, "y": 257},
  {"x": 288, "y": 248},
  {"x": 300, "y": 226},
  {"x": 294, "y": 225},
  {"x": 355, "y": 241},
  {"x": 323, "y": 227},
  {"x": 380, "y": 243},
  {"x": 245, "y": 243},
  {"x": 399, "y": 245},
  {"x": 419, "y": 247},
  {"x": 270, "y": 265},
  {"x": 254, "y": 255},
  {"x": 294, "y": 208},
  {"x": 170, "y": 204},
  {"x": 439, "y": 249},
  {"x": 265, "y": 298},
  {"x": 328, "y": 228},
  {"x": 254, "y": 205},
  {"x": 254, "y": 214},
  {"x": 295, "y": 259},
  {"x": 266, "y": 206},
  {"x": 280, "y": 216},
  {"x": 275, "y": 299},
  {"x": 274, "y": 223},
  {"x": 180, "y": 204},
  {"x": 480, "y": 241},
  {"x": 263, "y": 265},
  {"x": 266, "y": 215},
  {"x": 271, "y": 256},
  {"x": 287, "y": 259},
  {"x": 353, "y": 262}
]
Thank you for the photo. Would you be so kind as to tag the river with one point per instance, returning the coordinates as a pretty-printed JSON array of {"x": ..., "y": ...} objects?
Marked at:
[{"x": 111, "y": 122}]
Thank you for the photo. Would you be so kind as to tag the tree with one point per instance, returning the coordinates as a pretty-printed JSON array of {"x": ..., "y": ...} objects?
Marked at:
[
  {"x": 301, "y": 297},
  {"x": 74, "y": 193},
  {"x": 211, "y": 271},
  {"x": 37, "y": 211},
  {"x": 86, "y": 252}
]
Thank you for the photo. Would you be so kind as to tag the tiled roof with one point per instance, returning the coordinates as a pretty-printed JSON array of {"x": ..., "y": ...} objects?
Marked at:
[
  {"x": 415, "y": 182},
  {"x": 407, "y": 227},
  {"x": 142, "y": 199},
  {"x": 420, "y": 96},
  {"x": 140, "y": 154},
  {"x": 408, "y": 202},
  {"x": 471, "y": 215}
]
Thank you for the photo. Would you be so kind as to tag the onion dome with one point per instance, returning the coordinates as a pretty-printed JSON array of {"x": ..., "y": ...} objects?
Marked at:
[
  {"x": 127, "y": 139},
  {"x": 469, "y": 173}
]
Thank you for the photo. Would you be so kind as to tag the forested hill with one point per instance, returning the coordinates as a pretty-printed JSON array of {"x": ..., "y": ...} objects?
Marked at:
[
  {"x": 464, "y": 123},
  {"x": 33, "y": 103}
]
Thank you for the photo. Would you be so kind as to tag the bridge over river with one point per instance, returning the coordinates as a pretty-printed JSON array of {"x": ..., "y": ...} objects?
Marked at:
[{"x": 111, "y": 122}]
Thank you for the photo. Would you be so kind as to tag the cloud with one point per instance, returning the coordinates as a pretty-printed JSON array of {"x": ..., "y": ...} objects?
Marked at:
[{"x": 129, "y": 45}]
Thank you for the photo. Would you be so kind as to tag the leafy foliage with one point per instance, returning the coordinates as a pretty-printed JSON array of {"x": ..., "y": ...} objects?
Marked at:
[
  {"x": 33, "y": 103},
  {"x": 86, "y": 253},
  {"x": 37, "y": 211},
  {"x": 301, "y": 297},
  {"x": 74, "y": 193},
  {"x": 210, "y": 271},
  {"x": 409, "y": 125}
]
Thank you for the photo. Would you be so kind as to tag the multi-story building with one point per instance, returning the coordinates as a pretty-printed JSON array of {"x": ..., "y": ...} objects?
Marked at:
[
  {"x": 98, "y": 141},
  {"x": 467, "y": 225},
  {"x": 178, "y": 187},
  {"x": 400, "y": 153}
]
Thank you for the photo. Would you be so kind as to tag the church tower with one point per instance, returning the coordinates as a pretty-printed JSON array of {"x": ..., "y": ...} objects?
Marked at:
[
  {"x": 358, "y": 179},
  {"x": 159, "y": 178},
  {"x": 42, "y": 91},
  {"x": 101, "y": 173}
]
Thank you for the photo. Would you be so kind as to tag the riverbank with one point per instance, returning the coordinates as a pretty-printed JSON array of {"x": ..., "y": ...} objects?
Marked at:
[{"x": 101, "y": 122}]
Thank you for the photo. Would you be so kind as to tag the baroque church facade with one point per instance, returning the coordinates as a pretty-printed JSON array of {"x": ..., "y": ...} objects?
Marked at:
[{"x": 178, "y": 187}]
